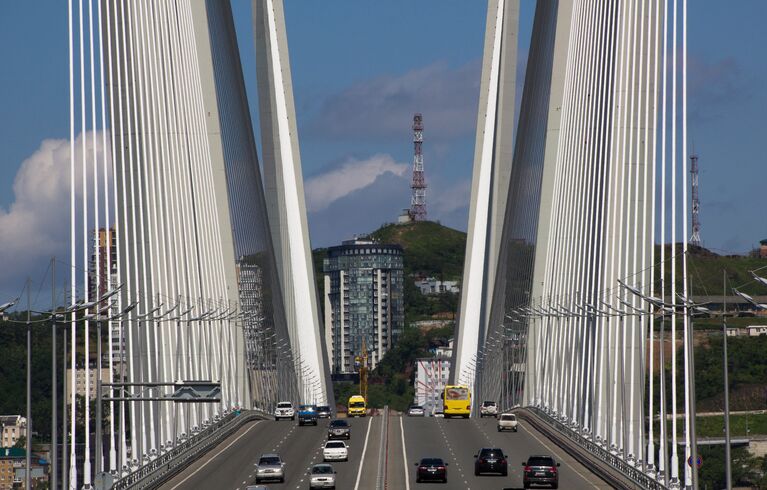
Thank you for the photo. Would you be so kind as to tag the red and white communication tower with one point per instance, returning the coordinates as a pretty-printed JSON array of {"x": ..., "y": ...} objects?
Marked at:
[
  {"x": 418, "y": 200},
  {"x": 695, "y": 238}
]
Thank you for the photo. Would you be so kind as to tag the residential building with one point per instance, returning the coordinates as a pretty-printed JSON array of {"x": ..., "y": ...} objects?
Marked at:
[
  {"x": 11, "y": 458},
  {"x": 756, "y": 330},
  {"x": 426, "y": 325},
  {"x": 364, "y": 283},
  {"x": 763, "y": 248},
  {"x": 445, "y": 350},
  {"x": 12, "y": 468},
  {"x": 80, "y": 381},
  {"x": 431, "y": 377},
  {"x": 102, "y": 274},
  {"x": 13, "y": 428},
  {"x": 431, "y": 285}
]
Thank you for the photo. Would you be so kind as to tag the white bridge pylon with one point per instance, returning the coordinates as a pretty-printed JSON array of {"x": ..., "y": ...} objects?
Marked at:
[{"x": 565, "y": 296}]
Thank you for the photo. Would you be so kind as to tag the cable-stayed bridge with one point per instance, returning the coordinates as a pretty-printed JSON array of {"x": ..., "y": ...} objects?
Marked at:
[{"x": 211, "y": 309}]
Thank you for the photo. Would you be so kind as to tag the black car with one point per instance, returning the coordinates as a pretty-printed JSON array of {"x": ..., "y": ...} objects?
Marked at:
[
  {"x": 323, "y": 412},
  {"x": 339, "y": 429},
  {"x": 431, "y": 469},
  {"x": 540, "y": 470},
  {"x": 491, "y": 460}
]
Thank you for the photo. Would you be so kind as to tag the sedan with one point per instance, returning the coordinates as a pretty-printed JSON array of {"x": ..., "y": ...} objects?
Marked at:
[
  {"x": 323, "y": 412},
  {"x": 339, "y": 429},
  {"x": 270, "y": 467},
  {"x": 322, "y": 476},
  {"x": 490, "y": 460},
  {"x": 335, "y": 451},
  {"x": 431, "y": 469},
  {"x": 416, "y": 411},
  {"x": 540, "y": 470}
]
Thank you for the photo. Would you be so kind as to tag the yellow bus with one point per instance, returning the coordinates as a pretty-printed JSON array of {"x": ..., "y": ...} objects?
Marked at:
[
  {"x": 456, "y": 401},
  {"x": 357, "y": 406}
]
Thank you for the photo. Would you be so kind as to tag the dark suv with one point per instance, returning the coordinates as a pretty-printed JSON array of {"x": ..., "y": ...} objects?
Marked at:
[
  {"x": 339, "y": 429},
  {"x": 491, "y": 460},
  {"x": 540, "y": 470}
]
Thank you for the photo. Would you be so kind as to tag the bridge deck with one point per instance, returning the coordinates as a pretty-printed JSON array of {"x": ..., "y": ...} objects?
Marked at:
[{"x": 231, "y": 465}]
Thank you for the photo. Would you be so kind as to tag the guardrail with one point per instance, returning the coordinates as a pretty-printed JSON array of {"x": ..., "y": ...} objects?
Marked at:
[
  {"x": 156, "y": 472},
  {"x": 635, "y": 476}
]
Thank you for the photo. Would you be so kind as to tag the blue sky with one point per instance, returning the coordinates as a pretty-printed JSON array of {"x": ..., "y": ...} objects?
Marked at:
[{"x": 360, "y": 69}]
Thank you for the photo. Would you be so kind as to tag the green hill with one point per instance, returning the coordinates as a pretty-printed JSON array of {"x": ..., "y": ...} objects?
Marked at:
[{"x": 430, "y": 248}]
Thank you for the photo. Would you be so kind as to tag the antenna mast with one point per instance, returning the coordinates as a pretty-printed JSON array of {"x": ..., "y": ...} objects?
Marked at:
[
  {"x": 418, "y": 200},
  {"x": 695, "y": 237}
]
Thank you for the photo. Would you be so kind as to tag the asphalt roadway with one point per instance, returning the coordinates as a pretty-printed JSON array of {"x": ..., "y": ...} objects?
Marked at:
[{"x": 376, "y": 453}]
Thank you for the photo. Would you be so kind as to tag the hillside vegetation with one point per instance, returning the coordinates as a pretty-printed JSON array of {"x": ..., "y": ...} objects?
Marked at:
[
  {"x": 705, "y": 269},
  {"x": 430, "y": 248}
]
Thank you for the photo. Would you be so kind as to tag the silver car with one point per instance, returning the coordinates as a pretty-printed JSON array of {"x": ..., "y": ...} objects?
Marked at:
[
  {"x": 322, "y": 476},
  {"x": 270, "y": 467},
  {"x": 416, "y": 411}
]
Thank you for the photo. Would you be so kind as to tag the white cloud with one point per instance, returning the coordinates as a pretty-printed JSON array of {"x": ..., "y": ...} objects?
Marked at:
[
  {"x": 36, "y": 224},
  {"x": 352, "y": 175}
]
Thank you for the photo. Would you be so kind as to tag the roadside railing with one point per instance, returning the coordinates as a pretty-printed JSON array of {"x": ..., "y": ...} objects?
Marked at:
[
  {"x": 154, "y": 473},
  {"x": 634, "y": 475}
]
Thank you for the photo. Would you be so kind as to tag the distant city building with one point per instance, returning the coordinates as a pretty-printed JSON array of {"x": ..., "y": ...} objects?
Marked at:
[
  {"x": 12, "y": 471},
  {"x": 445, "y": 350},
  {"x": 431, "y": 285},
  {"x": 80, "y": 381},
  {"x": 102, "y": 272},
  {"x": 431, "y": 377},
  {"x": 763, "y": 249},
  {"x": 427, "y": 325},
  {"x": 13, "y": 427},
  {"x": 364, "y": 283},
  {"x": 750, "y": 331}
]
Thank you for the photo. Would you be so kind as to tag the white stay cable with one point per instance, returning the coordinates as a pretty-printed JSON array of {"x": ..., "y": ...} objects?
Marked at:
[
  {"x": 72, "y": 484},
  {"x": 673, "y": 291},
  {"x": 688, "y": 383}
]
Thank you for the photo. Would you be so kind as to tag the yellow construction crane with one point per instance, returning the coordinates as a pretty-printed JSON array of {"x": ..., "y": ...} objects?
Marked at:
[{"x": 362, "y": 362}]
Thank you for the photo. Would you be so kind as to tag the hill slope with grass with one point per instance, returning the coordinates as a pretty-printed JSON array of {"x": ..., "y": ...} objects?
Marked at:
[{"x": 430, "y": 248}]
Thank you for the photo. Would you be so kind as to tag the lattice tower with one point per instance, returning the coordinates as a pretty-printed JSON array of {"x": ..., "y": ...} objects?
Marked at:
[
  {"x": 418, "y": 185},
  {"x": 695, "y": 237}
]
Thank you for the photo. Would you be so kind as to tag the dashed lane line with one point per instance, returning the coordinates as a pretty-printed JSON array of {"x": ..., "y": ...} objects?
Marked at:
[{"x": 216, "y": 455}]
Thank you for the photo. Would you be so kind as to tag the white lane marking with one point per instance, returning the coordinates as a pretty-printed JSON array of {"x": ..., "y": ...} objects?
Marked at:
[
  {"x": 362, "y": 459},
  {"x": 404, "y": 454},
  {"x": 215, "y": 456},
  {"x": 557, "y": 453}
]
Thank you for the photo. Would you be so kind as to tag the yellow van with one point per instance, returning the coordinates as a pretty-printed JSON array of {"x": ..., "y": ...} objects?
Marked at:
[{"x": 357, "y": 406}]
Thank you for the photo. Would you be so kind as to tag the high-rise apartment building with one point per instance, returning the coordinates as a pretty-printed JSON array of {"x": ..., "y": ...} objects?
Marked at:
[
  {"x": 102, "y": 273},
  {"x": 364, "y": 287}
]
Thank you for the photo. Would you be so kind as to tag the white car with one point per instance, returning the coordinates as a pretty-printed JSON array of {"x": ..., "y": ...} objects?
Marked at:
[
  {"x": 270, "y": 467},
  {"x": 488, "y": 409},
  {"x": 415, "y": 411},
  {"x": 507, "y": 421},
  {"x": 335, "y": 451},
  {"x": 284, "y": 410},
  {"x": 322, "y": 476}
]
